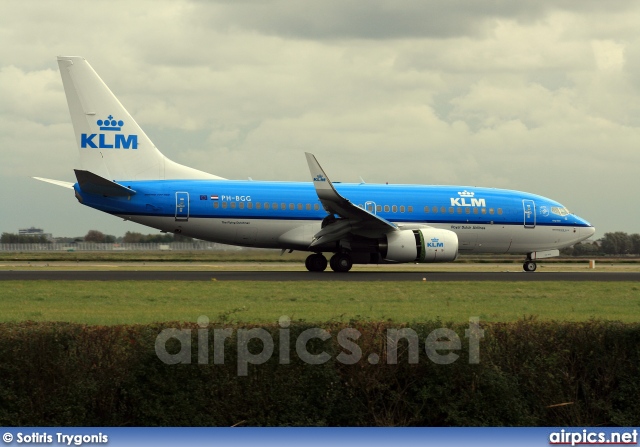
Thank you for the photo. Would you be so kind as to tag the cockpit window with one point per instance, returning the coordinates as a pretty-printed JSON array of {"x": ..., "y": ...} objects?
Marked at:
[{"x": 560, "y": 211}]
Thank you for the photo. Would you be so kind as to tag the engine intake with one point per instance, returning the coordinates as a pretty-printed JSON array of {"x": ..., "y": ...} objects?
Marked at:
[{"x": 424, "y": 245}]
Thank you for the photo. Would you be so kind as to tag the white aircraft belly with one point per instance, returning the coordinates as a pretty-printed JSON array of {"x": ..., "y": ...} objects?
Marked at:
[
  {"x": 496, "y": 238},
  {"x": 274, "y": 233},
  {"x": 262, "y": 233}
]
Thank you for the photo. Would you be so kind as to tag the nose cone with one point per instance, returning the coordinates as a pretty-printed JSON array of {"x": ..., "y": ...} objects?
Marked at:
[{"x": 587, "y": 232}]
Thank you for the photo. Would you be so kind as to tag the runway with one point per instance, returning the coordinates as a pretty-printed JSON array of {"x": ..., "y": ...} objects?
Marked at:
[{"x": 156, "y": 275}]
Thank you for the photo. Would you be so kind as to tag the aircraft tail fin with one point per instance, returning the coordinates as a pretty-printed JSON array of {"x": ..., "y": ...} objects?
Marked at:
[{"x": 112, "y": 145}]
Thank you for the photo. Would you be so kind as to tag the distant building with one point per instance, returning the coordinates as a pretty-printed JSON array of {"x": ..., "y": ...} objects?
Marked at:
[{"x": 33, "y": 231}]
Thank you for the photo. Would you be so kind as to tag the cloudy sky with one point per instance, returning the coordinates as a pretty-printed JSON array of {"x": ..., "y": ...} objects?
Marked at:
[{"x": 534, "y": 95}]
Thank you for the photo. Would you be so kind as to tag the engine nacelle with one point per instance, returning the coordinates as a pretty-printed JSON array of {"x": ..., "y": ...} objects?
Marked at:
[{"x": 424, "y": 245}]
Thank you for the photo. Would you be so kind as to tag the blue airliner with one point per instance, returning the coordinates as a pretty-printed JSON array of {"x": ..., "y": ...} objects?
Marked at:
[{"x": 125, "y": 175}]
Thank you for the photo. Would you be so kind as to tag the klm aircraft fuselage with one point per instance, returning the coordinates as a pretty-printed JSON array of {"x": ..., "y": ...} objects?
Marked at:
[
  {"x": 286, "y": 215},
  {"x": 125, "y": 175}
]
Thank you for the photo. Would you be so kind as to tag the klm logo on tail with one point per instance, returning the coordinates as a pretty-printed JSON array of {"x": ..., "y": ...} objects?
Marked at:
[{"x": 109, "y": 141}]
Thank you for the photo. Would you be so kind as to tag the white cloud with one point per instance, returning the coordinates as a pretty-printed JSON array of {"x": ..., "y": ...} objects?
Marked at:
[
  {"x": 537, "y": 95},
  {"x": 609, "y": 55}
]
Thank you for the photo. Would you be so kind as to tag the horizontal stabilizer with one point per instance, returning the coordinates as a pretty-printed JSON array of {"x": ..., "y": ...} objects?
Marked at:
[
  {"x": 94, "y": 184},
  {"x": 56, "y": 182}
]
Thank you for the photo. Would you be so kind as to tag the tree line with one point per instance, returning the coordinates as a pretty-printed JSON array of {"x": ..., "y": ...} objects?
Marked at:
[
  {"x": 98, "y": 237},
  {"x": 12, "y": 238},
  {"x": 612, "y": 244}
]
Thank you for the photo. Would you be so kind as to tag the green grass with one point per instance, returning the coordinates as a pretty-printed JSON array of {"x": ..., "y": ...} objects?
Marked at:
[{"x": 145, "y": 302}]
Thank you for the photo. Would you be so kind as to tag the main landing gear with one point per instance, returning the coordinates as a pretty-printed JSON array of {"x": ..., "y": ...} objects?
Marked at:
[
  {"x": 340, "y": 262},
  {"x": 316, "y": 262}
]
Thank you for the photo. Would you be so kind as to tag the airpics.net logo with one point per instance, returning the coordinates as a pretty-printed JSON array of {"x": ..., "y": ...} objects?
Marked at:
[
  {"x": 109, "y": 140},
  {"x": 440, "y": 345}
]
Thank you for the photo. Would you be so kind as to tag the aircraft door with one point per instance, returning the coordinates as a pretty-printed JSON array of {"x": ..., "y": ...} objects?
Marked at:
[
  {"x": 529, "y": 207},
  {"x": 371, "y": 207},
  {"x": 182, "y": 206}
]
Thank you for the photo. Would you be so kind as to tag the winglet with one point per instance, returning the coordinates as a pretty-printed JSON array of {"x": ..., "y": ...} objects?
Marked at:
[
  {"x": 335, "y": 203},
  {"x": 324, "y": 187}
]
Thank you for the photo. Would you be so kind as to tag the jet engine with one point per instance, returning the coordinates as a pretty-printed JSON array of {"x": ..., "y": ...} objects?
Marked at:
[{"x": 423, "y": 245}]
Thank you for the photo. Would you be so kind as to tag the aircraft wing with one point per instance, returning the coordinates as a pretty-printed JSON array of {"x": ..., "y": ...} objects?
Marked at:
[{"x": 353, "y": 219}]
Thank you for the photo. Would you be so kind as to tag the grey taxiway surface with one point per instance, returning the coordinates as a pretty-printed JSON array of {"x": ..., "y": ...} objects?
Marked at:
[{"x": 155, "y": 275}]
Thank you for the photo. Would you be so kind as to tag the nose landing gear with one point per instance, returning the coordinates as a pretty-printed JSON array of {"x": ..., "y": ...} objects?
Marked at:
[
  {"x": 530, "y": 263},
  {"x": 529, "y": 266}
]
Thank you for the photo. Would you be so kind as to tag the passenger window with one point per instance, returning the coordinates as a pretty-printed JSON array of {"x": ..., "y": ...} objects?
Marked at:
[
  {"x": 378, "y": 208},
  {"x": 266, "y": 205},
  {"x": 241, "y": 205},
  {"x": 394, "y": 208},
  {"x": 224, "y": 204},
  {"x": 402, "y": 209},
  {"x": 450, "y": 210},
  {"x": 500, "y": 211},
  {"x": 274, "y": 206},
  {"x": 283, "y": 206},
  {"x": 258, "y": 205},
  {"x": 216, "y": 205},
  {"x": 308, "y": 206},
  {"x": 435, "y": 209},
  {"x": 316, "y": 206},
  {"x": 467, "y": 210},
  {"x": 426, "y": 209},
  {"x": 386, "y": 208},
  {"x": 250, "y": 205},
  {"x": 475, "y": 211},
  {"x": 299, "y": 206},
  {"x": 490, "y": 210},
  {"x": 292, "y": 206},
  {"x": 484, "y": 211},
  {"x": 443, "y": 210},
  {"x": 233, "y": 204},
  {"x": 459, "y": 210},
  {"x": 410, "y": 209}
]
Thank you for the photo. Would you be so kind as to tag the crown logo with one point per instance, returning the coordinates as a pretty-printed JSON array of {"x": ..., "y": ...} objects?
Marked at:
[
  {"x": 466, "y": 193},
  {"x": 435, "y": 239},
  {"x": 110, "y": 124}
]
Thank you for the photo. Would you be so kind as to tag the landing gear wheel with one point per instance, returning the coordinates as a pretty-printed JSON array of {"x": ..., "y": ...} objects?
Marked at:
[
  {"x": 529, "y": 266},
  {"x": 341, "y": 262},
  {"x": 316, "y": 263}
]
